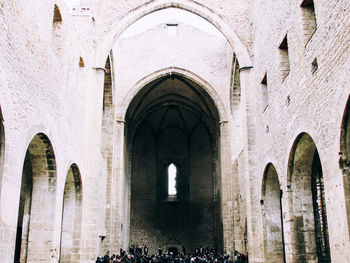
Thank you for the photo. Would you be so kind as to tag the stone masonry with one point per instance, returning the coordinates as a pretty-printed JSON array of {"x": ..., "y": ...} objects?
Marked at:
[{"x": 254, "y": 113}]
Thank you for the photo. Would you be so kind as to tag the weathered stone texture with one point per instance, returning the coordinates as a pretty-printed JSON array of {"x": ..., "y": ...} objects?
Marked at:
[
  {"x": 61, "y": 118},
  {"x": 306, "y": 101}
]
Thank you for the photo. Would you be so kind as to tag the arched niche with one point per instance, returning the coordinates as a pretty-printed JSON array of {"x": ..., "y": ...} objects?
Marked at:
[
  {"x": 71, "y": 216},
  {"x": 36, "y": 210},
  {"x": 344, "y": 161},
  {"x": 309, "y": 228},
  {"x": 272, "y": 216},
  {"x": 172, "y": 120}
]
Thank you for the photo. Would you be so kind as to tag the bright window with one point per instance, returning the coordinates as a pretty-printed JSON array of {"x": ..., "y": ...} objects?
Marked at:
[
  {"x": 172, "y": 171},
  {"x": 172, "y": 30}
]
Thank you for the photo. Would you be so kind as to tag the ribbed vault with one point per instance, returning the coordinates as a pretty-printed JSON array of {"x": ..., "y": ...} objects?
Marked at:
[{"x": 172, "y": 120}]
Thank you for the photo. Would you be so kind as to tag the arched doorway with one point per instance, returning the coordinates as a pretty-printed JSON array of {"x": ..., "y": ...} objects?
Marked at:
[
  {"x": 172, "y": 122},
  {"x": 310, "y": 240},
  {"x": 344, "y": 161},
  {"x": 37, "y": 202},
  {"x": 71, "y": 216},
  {"x": 2, "y": 147},
  {"x": 272, "y": 216}
]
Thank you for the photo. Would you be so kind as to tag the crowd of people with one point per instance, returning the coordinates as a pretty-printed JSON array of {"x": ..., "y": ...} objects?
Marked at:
[{"x": 137, "y": 254}]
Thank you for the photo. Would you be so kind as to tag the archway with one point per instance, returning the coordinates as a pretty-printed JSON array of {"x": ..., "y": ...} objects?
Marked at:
[
  {"x": 272, "y": 216},
  {"x": 120, "y": 26},
  {"x": 308, "y": 211},
  {"x": 37, "y": 202},
  {"x": 173, "y": 121},
  {"x": 71, "y": 216},
  {"x": 344, "y": 161},
  {"x": 2, "y": 147}
]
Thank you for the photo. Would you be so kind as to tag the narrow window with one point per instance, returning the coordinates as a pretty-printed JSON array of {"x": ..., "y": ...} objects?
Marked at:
[
  {"x": 284, "y": 58},
  {"x": 57, "y": 30},
  {"x": 308, "y": 19},
  {"x": 57, "y": 18},
  {"x": 108, "y": 88},
  {"x": 314, "y": 65},
  {"x": 235, "y": 91},
  {"x": 81, "y": 62},
  {"x": 172, "y": 171},
  {"x": 264, "y": 93},
  {"x": 172, "y": 30}
]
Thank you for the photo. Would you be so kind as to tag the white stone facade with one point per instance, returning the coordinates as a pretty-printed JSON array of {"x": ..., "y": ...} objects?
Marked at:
[{"x": 273, "y": 89}]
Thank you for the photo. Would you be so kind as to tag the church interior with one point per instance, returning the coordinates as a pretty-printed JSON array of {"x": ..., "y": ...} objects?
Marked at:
[{"x": 175, "y": 124}]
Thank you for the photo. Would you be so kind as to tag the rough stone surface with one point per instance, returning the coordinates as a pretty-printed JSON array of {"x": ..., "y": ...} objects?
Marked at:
[{"x": 76, "y": 128}]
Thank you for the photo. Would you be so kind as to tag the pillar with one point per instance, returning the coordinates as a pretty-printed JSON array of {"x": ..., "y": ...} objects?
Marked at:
[
  {"x": 252, "y": 179},
  {"x": 226, "y": 188},
  {"x": 118, "y": 226},
  {"x": 93, "y": 205}
]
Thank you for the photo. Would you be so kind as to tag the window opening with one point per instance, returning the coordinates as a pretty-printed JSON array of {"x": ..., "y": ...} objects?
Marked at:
[
  {"x": 57, "y": 18},
  {"x": 309, "y": 19},
  {"x": 284, "y": 58},
  {"x": 172, "y": 30},
  {"x": 265, "y": 96},
  {"x": 314, "y": 65},
  {"x": 107, "y": 90},
  {"x": 235, "y": 91},
  {"x": 172, "y": 171},
  {"x": 57, "y": 39},
  {"x": 81, "y": 62}
]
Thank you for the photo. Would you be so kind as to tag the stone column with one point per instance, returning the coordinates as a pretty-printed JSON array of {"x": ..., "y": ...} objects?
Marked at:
[
  {"x": 93, "y": 182},
  {"x": 226, "y": 188},
  {"x": 252, "y": 179},
  {"x": 117, "y": 204}
]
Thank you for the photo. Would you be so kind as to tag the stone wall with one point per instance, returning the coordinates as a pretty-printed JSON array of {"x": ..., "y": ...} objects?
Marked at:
[
  {"x": 309, "y": 99},
  {"x": 46, "y": 91}
]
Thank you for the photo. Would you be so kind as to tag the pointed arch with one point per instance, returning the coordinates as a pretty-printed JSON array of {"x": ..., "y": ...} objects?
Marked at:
[
  {"x": 179, "y": 136},
  {"x": 172, "y": 71},
  {"x": 2, "y": 146},
  {"x": 36, "y": 213},
  {"x": 118, "y": 27},
  {"x": 344, "y": 161},
  {"x": 71, "y": 216},
  {"x": 310, "y": 239},
  {"x": 272, "y": 216}
]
